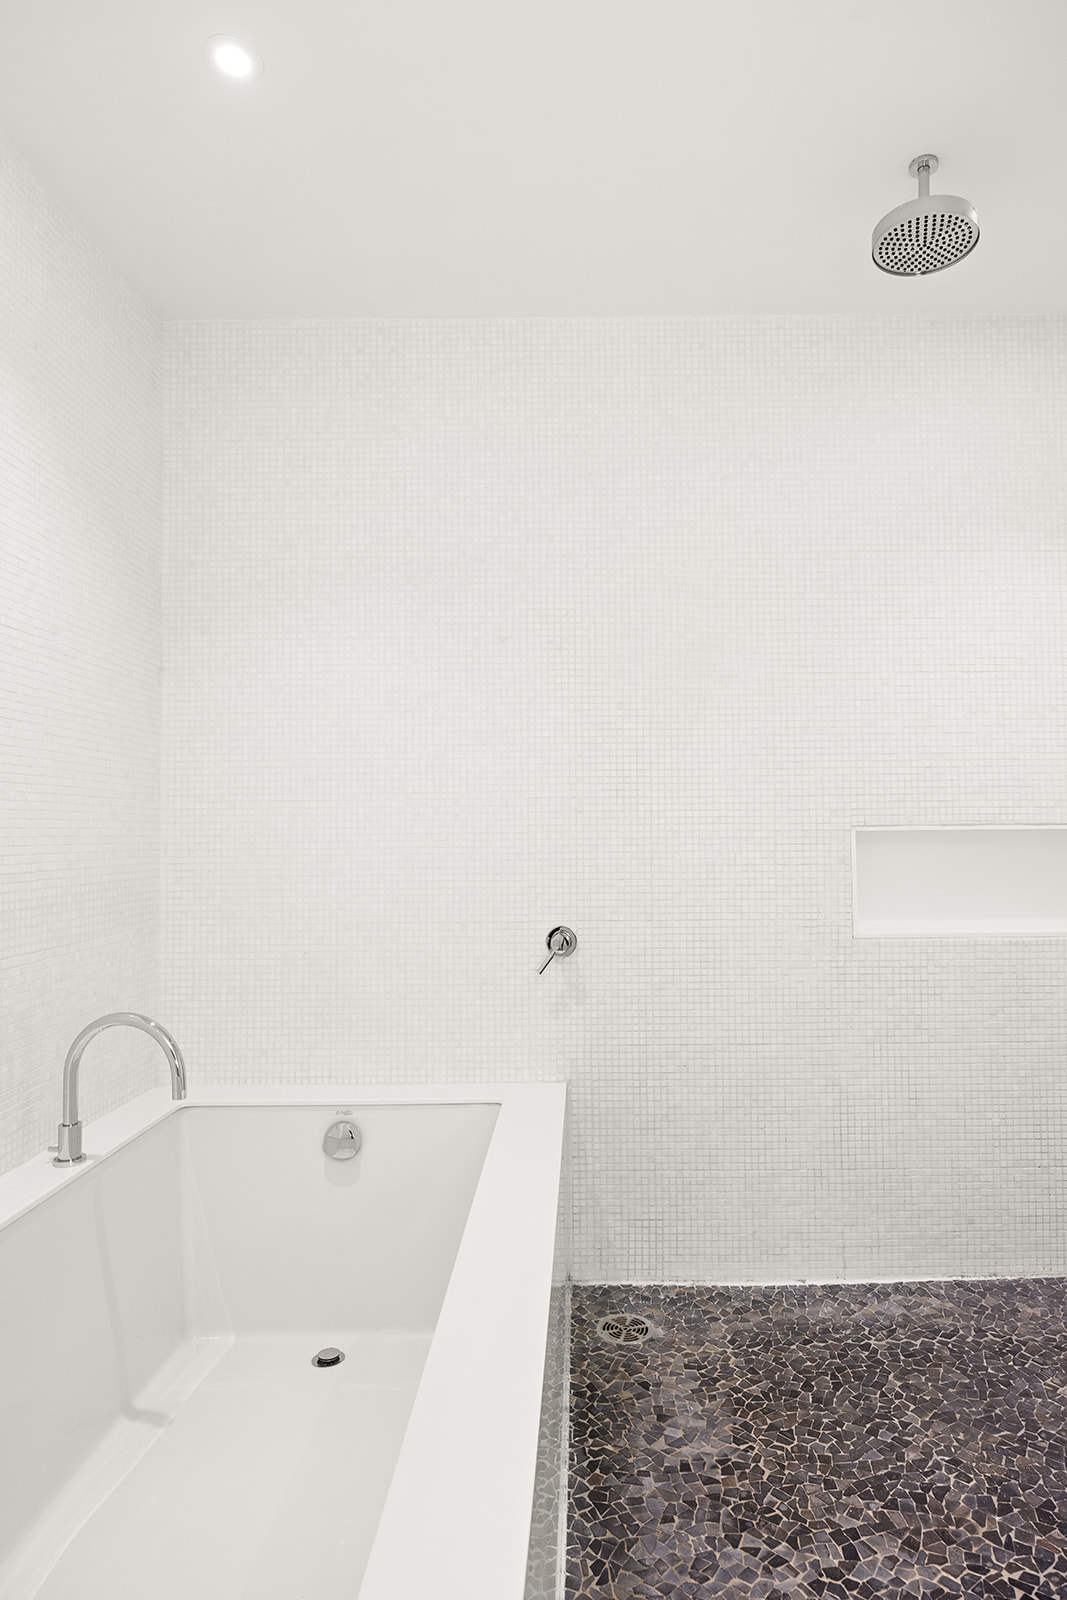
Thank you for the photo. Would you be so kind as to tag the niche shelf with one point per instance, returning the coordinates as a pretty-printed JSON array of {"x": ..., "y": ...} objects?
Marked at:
[{"x": 974, "y": 882}]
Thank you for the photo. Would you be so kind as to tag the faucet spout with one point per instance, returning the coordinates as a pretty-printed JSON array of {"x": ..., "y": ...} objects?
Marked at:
[{"x": 69, "y": 1149}]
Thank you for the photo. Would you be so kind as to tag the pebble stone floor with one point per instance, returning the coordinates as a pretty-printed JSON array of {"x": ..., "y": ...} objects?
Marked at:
[{"x": 834, "y": 1441}]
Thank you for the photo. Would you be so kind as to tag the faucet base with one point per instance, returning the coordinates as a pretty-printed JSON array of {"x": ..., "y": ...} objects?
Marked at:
[{"x": 69, "y": 1145}]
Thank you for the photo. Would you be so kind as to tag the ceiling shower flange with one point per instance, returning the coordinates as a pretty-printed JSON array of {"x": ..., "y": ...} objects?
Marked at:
[{"x": 931, "y": 163}]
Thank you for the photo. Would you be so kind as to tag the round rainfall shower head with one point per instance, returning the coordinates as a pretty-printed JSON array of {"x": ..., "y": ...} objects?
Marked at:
[{"x": 928, "y": 234}]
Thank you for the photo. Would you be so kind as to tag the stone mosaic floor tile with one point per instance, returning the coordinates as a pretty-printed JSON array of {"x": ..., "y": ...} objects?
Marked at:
[{"x": 822, "y": 1443}]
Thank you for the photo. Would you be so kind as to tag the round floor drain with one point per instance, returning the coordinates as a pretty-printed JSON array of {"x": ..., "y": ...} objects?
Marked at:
[
  {"x": 623, "y": 1328},
  {"x": 328, "y": 1357}
]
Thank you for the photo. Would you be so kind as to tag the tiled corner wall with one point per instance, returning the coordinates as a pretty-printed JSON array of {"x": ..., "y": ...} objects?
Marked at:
[
  {"x": 474, "y": 628},
  {"x": 546, "y": 1557},
  {"x": 80, "y": 515}
]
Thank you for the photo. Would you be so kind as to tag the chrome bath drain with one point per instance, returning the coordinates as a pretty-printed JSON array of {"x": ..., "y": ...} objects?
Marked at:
[
  {"x": 623, "y": 1328},
  {"x": 328, "y": 1357}
]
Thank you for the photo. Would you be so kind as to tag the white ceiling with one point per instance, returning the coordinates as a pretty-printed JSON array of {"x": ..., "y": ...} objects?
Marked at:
[{"x": 564, "y": 157}]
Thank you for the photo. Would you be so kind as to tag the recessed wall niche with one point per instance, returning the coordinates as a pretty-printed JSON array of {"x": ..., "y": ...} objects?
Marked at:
[{"x": 973, "y": 882}]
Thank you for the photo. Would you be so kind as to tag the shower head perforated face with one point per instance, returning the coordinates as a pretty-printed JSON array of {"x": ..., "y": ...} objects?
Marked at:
[{"x": 928, "y": 234}]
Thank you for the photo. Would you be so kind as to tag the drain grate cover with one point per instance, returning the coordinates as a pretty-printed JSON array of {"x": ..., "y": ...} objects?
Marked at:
[{"x": 623, "y": 1328}]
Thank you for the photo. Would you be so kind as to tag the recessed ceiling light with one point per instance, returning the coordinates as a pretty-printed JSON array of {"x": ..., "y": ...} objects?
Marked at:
[{"x": 234, "y": 58}]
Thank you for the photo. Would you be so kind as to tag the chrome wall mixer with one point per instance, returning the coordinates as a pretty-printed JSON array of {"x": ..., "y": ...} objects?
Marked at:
[{"x": 561, "y": 942}]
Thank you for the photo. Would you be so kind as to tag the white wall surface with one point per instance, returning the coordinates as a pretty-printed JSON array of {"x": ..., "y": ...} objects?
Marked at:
[
  {"x": 80, "y": 517},
  {"x": 475, "y": 627},
  {"x": 478, "y": 627}
]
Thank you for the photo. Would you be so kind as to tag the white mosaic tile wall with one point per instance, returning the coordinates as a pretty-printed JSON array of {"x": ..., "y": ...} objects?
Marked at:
[
  {"x": 478, "y": 627},
  {"x": 80, "y": 515}
]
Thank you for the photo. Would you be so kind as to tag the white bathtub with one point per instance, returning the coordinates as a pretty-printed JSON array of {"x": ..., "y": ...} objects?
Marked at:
[{"x": 163, "y": 1431}]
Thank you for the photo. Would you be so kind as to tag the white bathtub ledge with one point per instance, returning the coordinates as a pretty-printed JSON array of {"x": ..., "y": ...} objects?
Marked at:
[
  {"x": 465, "y": 1477},
  {"x": 25, "y": 1187}
]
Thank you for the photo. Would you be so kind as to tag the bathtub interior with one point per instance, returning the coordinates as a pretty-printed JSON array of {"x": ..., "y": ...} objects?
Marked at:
[
  {"x": 280, "y": 1238},
  {"x": 167, "y": 1307}
]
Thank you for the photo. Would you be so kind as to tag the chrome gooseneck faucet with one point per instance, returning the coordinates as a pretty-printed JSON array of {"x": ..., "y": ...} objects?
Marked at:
[{"x": 69, "y": 1148}]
